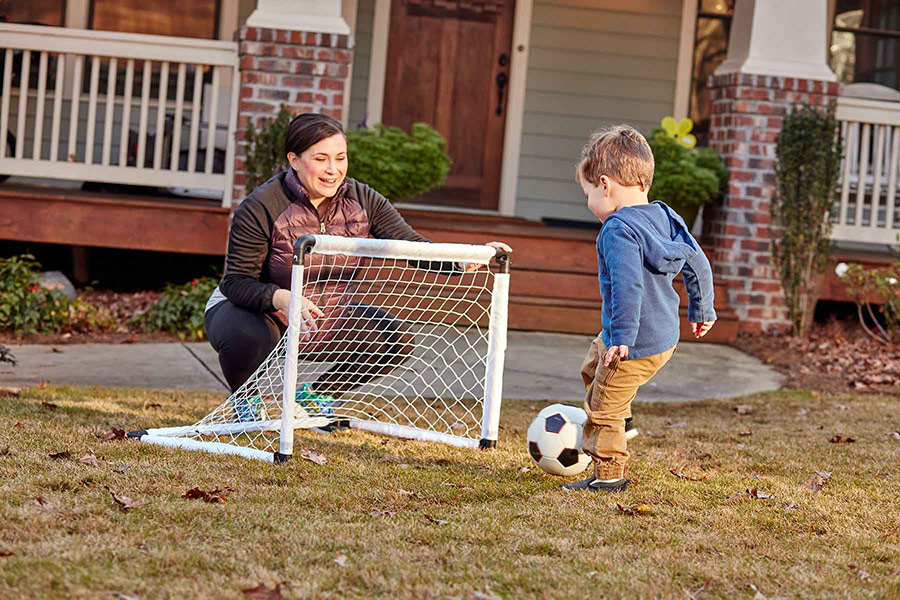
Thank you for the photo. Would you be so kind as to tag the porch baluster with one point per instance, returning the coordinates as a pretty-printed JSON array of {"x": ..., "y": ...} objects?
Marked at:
[
  {"x": 39, "y": 109},
  {"x": 108, "y": 123}
]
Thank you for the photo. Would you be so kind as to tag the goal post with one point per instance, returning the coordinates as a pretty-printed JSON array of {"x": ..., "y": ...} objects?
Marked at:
[{"x": 411, "y": 344}]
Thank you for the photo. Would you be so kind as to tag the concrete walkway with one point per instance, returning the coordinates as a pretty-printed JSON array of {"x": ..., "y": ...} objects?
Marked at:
[{"x": 539, "y": 366}]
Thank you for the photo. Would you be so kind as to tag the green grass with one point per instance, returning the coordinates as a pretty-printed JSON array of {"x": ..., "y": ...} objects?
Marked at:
[{"x": 508, "y": 533}]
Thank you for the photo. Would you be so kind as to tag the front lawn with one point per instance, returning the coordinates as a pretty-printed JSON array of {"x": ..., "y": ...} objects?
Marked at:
[{"x": 718, "y": 502}]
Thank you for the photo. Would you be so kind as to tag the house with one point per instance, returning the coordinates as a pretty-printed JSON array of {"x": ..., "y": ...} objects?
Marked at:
[{"x": 514, "y": 85}]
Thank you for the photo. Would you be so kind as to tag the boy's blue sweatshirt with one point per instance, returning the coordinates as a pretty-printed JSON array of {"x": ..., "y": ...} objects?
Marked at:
[{"x": 640, "y": 250}]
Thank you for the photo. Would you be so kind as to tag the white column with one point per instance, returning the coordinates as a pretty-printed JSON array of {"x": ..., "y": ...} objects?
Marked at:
[
  {"x": 323, "y": 16},
  {"x": 781, "y": 38}
]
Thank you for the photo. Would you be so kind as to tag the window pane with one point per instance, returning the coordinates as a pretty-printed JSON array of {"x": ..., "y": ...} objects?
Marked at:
[
  {"x": 196, "y": 19},
  {"x": 874, "y": 14},
  {"x": 43, "y": 12},
  {"x": 865, "y": 58},
  {"x": 710, "y": 50}
]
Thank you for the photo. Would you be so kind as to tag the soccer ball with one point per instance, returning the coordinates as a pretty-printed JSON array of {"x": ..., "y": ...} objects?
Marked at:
[{"x": 554, "y": 440}]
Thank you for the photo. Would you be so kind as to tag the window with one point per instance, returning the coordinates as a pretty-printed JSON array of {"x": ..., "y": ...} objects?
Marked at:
[
  {"x": 33, "y": 12},
  {"x": 865, "y": 42},
  {"x": 196, "y": 19},
  {"x": 710, "y": 49}
]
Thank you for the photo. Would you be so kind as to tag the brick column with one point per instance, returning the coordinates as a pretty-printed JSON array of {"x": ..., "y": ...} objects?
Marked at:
[
  {"x": 746, "y": 118},
  {"x": 305, "y": 71}
]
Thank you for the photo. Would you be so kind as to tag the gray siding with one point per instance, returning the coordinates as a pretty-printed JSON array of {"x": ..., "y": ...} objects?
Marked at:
[
  {"x": 362, "y": 51},
  {"x": 592, "y": 63}
]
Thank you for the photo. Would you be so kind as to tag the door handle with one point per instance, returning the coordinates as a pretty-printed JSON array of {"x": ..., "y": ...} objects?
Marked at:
[{"x": 502, "y": 80}]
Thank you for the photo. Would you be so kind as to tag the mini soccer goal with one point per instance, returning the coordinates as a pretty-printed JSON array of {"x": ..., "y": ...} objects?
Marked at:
[{"x": 411, "y": 344}]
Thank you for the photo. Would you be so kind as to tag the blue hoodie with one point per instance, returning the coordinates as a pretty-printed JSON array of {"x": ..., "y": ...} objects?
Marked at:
[{"x": 640, "y": 250}]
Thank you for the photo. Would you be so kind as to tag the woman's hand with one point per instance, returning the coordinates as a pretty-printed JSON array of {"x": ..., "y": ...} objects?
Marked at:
[
  {"x": 498, "y": 245},
  {"x": 308, "y": 312}
]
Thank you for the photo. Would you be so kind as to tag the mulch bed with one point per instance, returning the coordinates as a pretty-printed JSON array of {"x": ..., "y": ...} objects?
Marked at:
[{"x": 836, "y": 357}]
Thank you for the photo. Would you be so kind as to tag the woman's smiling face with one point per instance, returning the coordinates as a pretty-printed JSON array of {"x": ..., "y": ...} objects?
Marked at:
[{"x": 322, "y": 167}]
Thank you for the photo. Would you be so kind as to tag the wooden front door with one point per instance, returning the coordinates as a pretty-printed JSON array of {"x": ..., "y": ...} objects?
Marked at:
[{"x": 448, "y": 66}]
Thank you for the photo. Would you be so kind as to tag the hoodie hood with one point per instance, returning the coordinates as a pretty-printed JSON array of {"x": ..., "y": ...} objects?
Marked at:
[{"x": 663, "y": 235}]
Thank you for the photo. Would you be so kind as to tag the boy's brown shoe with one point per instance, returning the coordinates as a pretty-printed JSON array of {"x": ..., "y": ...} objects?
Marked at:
[{"x": 593, "y": 484}]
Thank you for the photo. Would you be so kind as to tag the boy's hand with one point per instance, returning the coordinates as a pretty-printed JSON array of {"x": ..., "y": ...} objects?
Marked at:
[
  {"x": 701, "y": 329},
  {"x": 613, "y": 351}
]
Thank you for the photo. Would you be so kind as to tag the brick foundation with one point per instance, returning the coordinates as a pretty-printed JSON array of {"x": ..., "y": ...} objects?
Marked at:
[
  {"x": 304, "y": 71},
  {"x": 746, "y": 119}
]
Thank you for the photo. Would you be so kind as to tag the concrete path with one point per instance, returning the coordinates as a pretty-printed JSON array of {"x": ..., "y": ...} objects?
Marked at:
[{"x": 539, "y": 366}]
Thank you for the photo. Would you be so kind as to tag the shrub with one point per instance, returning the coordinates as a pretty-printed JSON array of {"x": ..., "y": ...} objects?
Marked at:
[
  {"x": 808, "y": 150},
  {"x": 684, "y": 178},
  {"x": 386, "y": 158},
  {"x": 881, "y": 287},
  {"x": 180, "y": 310},
  {"x": 395, "y": 164}
]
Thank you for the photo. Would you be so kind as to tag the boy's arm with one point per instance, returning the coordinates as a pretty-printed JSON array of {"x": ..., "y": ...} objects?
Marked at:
[
  {"x": 698, "y": 281},
  {"x": 624, "y": 259}
]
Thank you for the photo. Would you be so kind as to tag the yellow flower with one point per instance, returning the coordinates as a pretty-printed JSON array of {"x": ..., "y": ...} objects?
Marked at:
[{"x": 680, "y": 130}]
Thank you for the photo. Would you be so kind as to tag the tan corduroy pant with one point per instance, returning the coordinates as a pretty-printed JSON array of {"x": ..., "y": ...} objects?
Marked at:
[{"x": 610, "y": 391}]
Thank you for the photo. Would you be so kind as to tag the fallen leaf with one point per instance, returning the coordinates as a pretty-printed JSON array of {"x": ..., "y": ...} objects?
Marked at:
[
  {"x": 124, "y": 596},
  {"x": 815, "y": 483},
  {"x": 261, "y": 592},
  {"x": 524, "y": 469},
  {"x": 64, "y": 455},
  {"x": 122, "y": 468},
  {"x": 114, "y": 434},
  {"x": 682, "y": 424},
  {"x": 4, "y": 553},
  {"x": 45, "y": 506},
  {"x": 435, "y": 521},
  {"x": 743, "y": 409},
  {"x": 863, "y": 576},
  {"x": 636, "y": 510},
  {"x": 484, "y": 596},
  {"x": 756, "y": 476},
  {"x": 746, "y": 433},
  {"x": 692, "y": 595},
  {"x": 89, "y": 459},
  {"x": 313, "y": 456},
  {"x": 124, "y": 502},
  {"x": 841, "y": 440},
  {"x": 341, "y": 560},
  {"x": 212, "y": 496},
  {"x": 895, "y": 435},
  {"x": 678, "y": 473},
  {"x": 758, "y": 595},
  {"x": 10, "y": 392},
  {"x": 802, "y": 412},
  {"x": 153, "y": 405},
  {"x": 49, "y": 405},
  {"x": 4, "y": 451},
  {"x": 843, "y": 407},
  {"x": 19, "y": 426},
  {"x": 755, "y": 493},
  {"x": 456, "y": 485},
  {"x": 381, "y": 513}
]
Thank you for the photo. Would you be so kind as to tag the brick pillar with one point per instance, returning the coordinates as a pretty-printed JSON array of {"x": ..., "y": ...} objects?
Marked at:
[
  {"x": 305, "y": 71},
  {"x": 746, "y": 118}
]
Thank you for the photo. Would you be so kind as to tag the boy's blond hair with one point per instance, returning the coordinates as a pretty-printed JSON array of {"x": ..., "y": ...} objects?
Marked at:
[{"x": 621, "y": 153}]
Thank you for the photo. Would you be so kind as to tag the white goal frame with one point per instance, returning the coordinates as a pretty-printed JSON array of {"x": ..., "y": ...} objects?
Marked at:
[{"x": 294, "y": 417}]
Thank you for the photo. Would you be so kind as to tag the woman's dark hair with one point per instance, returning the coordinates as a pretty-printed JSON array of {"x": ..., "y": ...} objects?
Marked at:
[{"x": 308, "y": 129}]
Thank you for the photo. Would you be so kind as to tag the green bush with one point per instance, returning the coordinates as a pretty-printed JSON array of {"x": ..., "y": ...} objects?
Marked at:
[
  {"x": 386, "y": 158},
  {"x": 180, "y": 310},
  {"x": 26, "y": 307},
  {"x": 395, "y": 164},
  {"x": 685, "y": 179},
  {"x": 808, "y": 150}
]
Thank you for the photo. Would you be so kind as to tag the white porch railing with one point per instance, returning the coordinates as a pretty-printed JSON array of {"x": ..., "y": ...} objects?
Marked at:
[
  {"x": 868, "y": 209},
  {"x": 118, "y": 108}
]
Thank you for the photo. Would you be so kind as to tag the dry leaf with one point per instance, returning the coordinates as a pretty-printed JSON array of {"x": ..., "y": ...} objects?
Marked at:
[
  {"x": 10, "y": 392},
  {"x": 802, "y": 412},
  {"x": 815, "y": 483},
  {"x": 122, "y": 468},
  {"x": 212, "y": 496},
  {"x": 19, "y": 425},
  {"x": 44, "y": 504},
  {"x": 895, "y": 435},
  {"x": 4, "y": 553},
  {"x": 381, "y": 513},
  {"x": 5, "y": 451},
  {"x": 682, "y": 424},
  {"x": 42, "y": 385},
  {"x": 64, "y": 455},
  {"x": 863, "y": 576},
  {"x": 313, "y": 456},
  {"x": 153, "y": 405},
  {"x": 743, "y": 409},
  {"x": 49, "y": 405},
  {"x": 114, "y": 434},
  {"x": 124, "y": 596},
  {"x": 680, "y": 475},
  {"x": 637, "y": 510},
  {"x": 261, "y": 592},
  {"x": 435, "y": 521},
  {"x": 484, "y": 596},
  {"x": 746, "y": 433},
  {"x": 89, "y": 459},
  {"x": 755, "y": 493},
  {"x": 459, "y": 486},
  {"x": 757, "y": 595},
  {"x": 841, "y": 440},
  {"x": 524, "y": 469},
  {"x": 692, "y": 595},
  {"x": 843, "y": 407},
  {"x": 341, "y": 560},
  {"x": 124, "y": 502}
]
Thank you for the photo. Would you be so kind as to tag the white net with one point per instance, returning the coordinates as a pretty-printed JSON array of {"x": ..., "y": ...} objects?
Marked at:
[{"x": 403, "y": 343}]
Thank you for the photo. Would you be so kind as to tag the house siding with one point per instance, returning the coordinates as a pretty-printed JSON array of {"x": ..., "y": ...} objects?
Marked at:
[
  {"x": 592, "y": 63},
  {"x": 362, "y": 52}
]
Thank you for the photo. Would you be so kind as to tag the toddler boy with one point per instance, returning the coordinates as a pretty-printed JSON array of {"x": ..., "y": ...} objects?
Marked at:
[{"x": 641, "y": 247}]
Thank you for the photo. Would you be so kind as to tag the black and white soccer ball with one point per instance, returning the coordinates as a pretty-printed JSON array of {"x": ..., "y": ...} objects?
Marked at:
[{"x": 554, "y": 440}]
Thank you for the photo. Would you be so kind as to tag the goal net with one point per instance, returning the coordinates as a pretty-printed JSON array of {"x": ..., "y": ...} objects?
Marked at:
[{"x": 410, "y": 345}]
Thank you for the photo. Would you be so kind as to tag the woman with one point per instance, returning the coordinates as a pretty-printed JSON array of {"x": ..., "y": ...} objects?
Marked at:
[{"x": 246, "y": 315}]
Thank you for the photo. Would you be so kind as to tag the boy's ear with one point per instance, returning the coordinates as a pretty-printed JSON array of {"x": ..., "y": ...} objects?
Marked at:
[{"x": 605, "y": 183}]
